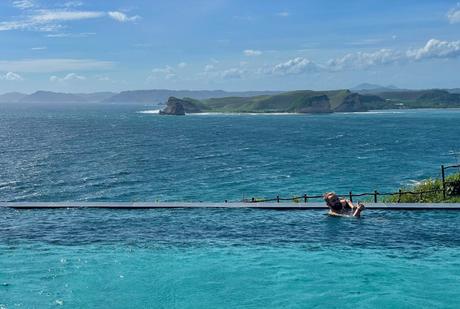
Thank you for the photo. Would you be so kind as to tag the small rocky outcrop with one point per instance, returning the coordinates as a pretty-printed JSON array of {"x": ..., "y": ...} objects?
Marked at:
[{"x": 174, "y": 106}]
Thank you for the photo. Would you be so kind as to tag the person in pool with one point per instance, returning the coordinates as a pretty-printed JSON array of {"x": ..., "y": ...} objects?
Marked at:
[{"x": 342, "y": 207}]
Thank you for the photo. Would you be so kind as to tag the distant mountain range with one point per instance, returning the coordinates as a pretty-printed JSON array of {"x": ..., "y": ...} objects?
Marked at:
[{"x": 154, "y": 96}]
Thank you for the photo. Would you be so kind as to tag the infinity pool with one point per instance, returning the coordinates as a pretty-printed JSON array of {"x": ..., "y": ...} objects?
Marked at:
[{"x": 206, "y": 258}]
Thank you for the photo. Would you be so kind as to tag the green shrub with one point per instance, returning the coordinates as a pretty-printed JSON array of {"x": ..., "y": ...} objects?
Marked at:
[{"x": 434, "y": 187}]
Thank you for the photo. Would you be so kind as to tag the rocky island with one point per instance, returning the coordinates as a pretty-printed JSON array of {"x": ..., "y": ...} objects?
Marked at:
[{"x": 174, "y": 106}]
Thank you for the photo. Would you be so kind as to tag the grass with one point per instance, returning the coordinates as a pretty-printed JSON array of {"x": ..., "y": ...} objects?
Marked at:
[{"x": 434, "y": 186}]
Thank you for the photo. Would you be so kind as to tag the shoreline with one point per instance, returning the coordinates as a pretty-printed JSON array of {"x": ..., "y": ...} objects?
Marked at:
[{"x": 374, "y": 111}]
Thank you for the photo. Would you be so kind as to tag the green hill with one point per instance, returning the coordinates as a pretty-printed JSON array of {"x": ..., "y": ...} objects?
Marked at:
[
  {"x": 433, "y": 98},
  {"x": 302, "y": 101}
]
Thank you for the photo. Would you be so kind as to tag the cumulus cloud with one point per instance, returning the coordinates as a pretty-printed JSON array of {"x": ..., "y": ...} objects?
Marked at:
[
  {"x": 182, "y": 65},
  {"x": 11, "y": 76},
  {"x": 297, "y": 65},
  {"x": 67, "y": 78},
  {"x": 454, "y": 15},
  {"x": 54, "y": 65},
  {"x": 252, "y": 52},
  {"x": 435, "y": 49},
  {"x": 361, "y": 60},
  {"x": 122, "y": 17}
]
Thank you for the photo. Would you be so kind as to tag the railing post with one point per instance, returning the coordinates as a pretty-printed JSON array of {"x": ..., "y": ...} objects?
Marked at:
[
  {"x": 375, "y": 196},
  {"x": 399, "y": 197},
  {"x": 278, "y": 198},
  {"x": 351, "y": 197},
  {"x": 305, "y": 197},
  {"x": 443, "y": 182}
]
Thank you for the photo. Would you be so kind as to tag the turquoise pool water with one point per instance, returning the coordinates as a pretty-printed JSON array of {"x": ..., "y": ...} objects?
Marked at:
[{"x": 207, "y": 258}]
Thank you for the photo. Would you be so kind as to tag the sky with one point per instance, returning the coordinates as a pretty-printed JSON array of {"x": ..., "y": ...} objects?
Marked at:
[{"x": 97, "y": 45}]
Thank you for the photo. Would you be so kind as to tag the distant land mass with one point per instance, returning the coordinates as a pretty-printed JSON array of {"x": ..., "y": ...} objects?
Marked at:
[
  {"x": 302, "y": 101},
  {"x": 373, "y": 88},
  {"x": 363, "y": 97},
  {"x": 153, "y": 96}
]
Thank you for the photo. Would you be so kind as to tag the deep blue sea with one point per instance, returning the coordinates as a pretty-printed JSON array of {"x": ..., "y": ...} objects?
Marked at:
[
  {"x": 118, "y": 153},
  {"x": 221, "y": 258}
]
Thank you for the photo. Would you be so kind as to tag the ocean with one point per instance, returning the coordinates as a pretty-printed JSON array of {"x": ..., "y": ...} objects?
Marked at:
[
  {"x": 120, "y": 153},
  {"x": 221, "y": 258}
]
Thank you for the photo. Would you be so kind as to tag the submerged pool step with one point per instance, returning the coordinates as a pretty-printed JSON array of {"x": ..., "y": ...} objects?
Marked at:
[{"x": 239, "y": 205}]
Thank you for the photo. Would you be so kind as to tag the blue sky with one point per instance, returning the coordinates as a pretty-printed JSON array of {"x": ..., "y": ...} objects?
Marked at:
[{"x": 84, "y": 46}]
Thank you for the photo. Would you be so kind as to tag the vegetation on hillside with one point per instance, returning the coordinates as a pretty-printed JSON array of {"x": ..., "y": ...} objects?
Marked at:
[
  {"x": 434, "y": 186},
  {"x": 302, "y": 101},
  {"x": 309, "y": 101}
]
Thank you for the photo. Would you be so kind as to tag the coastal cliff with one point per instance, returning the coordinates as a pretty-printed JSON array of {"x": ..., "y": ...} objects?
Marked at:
[{"x": 174, "y": 106}]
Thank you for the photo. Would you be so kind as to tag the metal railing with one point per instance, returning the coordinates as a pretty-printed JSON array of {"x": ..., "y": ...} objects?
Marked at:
[{"x": 375, "y": 194}]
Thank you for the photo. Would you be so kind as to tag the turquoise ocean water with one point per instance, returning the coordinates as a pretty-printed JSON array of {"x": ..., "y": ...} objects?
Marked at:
[{"x": 221, "y": 258}]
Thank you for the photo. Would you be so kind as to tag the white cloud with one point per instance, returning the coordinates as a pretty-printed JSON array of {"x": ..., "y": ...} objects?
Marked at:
[
  {"x": 167, "y": 73},
  {"x": 233, "y": 73},
  {"x": 69, "y": 4},
  {"x": 182, "y": 65},
  {"x": 454, "y": 15},
  {"x": 362, "y": 60},
  {"x": 24, "y": 4},
  {"x": 435, "y": 49},
  {"x": 39, "y": 48},
  {"x": 122, "y": 17},
  {"x": 11, "y": 76},
  {"x": 54, "y": 65},
  {"x": 70, "y": 35},
  {"x": 47, "y": 16},
  {"x": 297, "y": 65},
  {"x": 49, "y": 19},
  {"x": 67, "y": 78},
  {"x": 283, "y": 14},
  {"x": 252, "y": 52}
]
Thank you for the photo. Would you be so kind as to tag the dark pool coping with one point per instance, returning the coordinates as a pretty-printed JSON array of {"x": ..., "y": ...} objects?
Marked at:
[{"x": 237, "y": 205}]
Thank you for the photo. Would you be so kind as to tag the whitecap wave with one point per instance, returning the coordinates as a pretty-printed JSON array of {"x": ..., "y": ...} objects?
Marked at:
[
  {"x": 151, "y": 111},
  {"x": 244, "y": 114}
]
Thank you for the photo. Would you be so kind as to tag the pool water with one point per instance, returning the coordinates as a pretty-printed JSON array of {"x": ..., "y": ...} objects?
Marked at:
[{"x": 227, "y": 258}]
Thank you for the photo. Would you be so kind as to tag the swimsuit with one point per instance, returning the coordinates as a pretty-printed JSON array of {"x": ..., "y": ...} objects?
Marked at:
[{"x": 339, "y": 207}]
